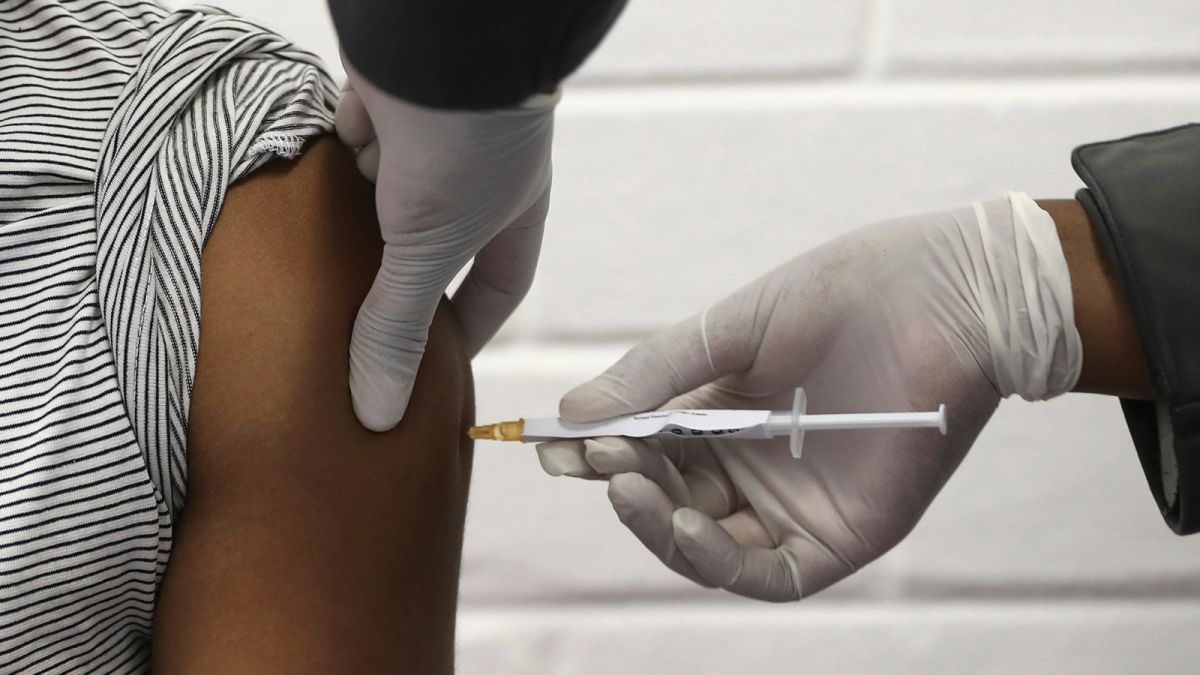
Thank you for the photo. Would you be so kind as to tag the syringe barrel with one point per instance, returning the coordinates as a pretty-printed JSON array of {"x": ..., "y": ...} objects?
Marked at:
[{"x": 780, "y": 423}]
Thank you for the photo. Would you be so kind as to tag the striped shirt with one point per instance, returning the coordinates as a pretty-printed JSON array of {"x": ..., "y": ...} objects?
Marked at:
[{"x": 121, "y": 125}]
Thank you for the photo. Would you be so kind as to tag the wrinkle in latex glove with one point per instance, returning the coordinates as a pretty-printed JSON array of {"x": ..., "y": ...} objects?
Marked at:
[{"x": 1035, "y": 355}]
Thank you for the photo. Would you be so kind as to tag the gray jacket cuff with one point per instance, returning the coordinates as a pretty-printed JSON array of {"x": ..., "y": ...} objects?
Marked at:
[{"x": 1143, "y": 196}]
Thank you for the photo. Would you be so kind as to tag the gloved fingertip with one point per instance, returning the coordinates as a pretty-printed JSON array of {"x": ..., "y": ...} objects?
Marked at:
[
  {"x": 379, "y": 406},
  {"x": 622, "y": 490},
  {"x": 586, "y": 403},
  {"x": 351, "y": 120},
  {"x": 628, "y": 481},
  {"x": 562, "y": 458},
  {"x": 367, "y": 161},
  {"x": 608, "y": 454},
  {"x": 374, "y": 418},
  {"x": 688, "y": 522},
  {"x": 573, "y": 407},
  {"x": 703, "y": 542}
]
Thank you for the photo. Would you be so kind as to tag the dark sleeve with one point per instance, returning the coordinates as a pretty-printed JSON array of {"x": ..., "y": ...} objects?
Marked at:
[
  {"x": 1143, "y": 194},
  {"x": 476, "y": 55}
]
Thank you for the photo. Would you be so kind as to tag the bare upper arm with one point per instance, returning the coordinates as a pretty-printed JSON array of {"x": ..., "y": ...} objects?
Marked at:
[{"x": 308, "y": 543}]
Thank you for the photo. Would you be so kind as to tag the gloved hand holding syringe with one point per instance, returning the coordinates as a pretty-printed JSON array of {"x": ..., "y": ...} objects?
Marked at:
[
  {"x": 959, "y": 307},
  {"x": 745, "y": 424}
]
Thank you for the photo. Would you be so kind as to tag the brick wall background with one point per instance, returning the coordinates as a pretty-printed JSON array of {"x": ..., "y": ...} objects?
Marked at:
[{"x": 707, "y": 141}]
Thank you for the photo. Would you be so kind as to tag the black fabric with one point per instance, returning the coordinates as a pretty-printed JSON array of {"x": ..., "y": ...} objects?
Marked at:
[
  {"x": 1143, "y": 194},
  {"x": 470, "y": 55}
]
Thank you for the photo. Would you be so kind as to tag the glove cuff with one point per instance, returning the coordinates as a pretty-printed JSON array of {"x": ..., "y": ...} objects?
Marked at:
[{"x": 1024, "y": 290}]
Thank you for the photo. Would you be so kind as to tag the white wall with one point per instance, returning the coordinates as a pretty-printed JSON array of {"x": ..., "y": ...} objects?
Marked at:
[{"x": 709, "y": 140}]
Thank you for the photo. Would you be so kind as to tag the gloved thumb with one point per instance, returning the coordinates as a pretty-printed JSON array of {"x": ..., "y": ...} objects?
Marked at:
[
  {"x": 720, "y": 340},
  {"x": 389, "y": 339},
  {"x": 352, "y": 121},
  {"x": 652, "y": 372}
]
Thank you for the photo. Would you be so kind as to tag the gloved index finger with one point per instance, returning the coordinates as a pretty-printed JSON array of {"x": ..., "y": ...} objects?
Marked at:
[{"x": 500, "y": 276}]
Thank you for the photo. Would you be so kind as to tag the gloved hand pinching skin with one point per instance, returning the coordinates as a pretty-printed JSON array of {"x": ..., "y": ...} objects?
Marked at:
[
  {"x": 449, "y": 185},
  {"x": 960, "y": 307}
]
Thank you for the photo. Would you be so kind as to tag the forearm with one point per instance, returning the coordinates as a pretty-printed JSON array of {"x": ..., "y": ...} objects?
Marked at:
[{"x": 1113, "y": 361}]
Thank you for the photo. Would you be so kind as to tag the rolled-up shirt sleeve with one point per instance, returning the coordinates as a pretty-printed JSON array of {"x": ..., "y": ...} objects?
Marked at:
[
  {"x": 1143, "y": 196},
  {"x": 470, "y": 55}
]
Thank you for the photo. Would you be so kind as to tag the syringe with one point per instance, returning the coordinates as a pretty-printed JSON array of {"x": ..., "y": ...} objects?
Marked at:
[{"x": 747, "y": 424}]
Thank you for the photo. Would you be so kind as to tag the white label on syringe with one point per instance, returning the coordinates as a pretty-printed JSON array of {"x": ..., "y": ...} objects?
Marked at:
[{"x": 731, "y": 423}]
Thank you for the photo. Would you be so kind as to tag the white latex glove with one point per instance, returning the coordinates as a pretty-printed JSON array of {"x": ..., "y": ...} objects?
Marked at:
[
  {"x": 961, "y": 308},
  {"x": 449, "y": 185}
]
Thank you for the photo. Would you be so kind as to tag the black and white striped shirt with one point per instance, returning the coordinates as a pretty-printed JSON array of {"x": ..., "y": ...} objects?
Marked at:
[{"x": 121, "y": 125}]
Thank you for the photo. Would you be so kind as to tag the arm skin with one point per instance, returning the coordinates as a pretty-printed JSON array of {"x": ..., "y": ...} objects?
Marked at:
[
  {"x": 309, "y": 544},
  {"x": 1113, "y": 361}
]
